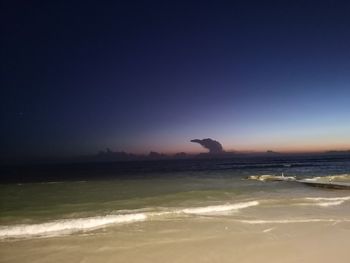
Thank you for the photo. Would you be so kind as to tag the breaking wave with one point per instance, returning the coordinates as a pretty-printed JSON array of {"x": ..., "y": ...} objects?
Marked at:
[
  {"x": 291, "y": 221},
  {"x": 307, "y": 201},
  {"x": 345, "y": 178},
  {"x": 219, "y": 208},
  {"x": 69, "y": 226},
  {"x": 326, "y": 201},
  {"x": 345, "y": 198}
]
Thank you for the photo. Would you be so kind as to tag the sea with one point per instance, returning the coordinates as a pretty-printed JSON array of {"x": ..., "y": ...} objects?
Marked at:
[{"x": 189, "y": 210}]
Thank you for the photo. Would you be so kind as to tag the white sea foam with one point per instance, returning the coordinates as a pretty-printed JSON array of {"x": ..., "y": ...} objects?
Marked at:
[
  {"x": 267, "y": 177},
  {"x": 313, "y": 179},
  {"x": 67, "y": 226},
  {"x": 290, "y": 221},
  {"x": 329, "y": 178},
  {"x": 219, "y": 208},
  {"x": 307, "y": 201},
  {"x": 345, "y": 198},
  {"x": 268, "y": 230},
  {"x": 326, "y": 201},
  {"x": 326, "y": 204}
]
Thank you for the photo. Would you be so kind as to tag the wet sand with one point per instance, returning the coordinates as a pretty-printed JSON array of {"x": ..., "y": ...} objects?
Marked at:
[{"x": 206, "y": 239}]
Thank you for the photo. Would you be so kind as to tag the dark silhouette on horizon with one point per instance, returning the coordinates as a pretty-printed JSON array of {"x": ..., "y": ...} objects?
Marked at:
[
  {"x": 272, "y": 152},
  {"x": 213, "y": 146},
  {"x": 215, "y": 151}
]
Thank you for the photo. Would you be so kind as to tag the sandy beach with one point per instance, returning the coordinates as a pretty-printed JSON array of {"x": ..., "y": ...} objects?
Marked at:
[{"x": 200, "y": 240}]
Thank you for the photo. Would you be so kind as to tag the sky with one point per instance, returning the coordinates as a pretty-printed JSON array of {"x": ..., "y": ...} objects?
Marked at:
[{"x": 80, "y": 76}]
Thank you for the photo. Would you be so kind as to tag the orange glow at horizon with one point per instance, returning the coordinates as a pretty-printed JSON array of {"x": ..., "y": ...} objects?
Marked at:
[{"x": 288, "y": 147}]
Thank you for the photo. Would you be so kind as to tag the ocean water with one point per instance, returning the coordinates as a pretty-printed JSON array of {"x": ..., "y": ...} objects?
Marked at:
[{"x": 175, "y": 211}]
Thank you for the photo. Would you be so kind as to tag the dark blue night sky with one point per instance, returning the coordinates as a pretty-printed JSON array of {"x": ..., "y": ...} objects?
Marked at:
[{"x": 151, "y": 75}]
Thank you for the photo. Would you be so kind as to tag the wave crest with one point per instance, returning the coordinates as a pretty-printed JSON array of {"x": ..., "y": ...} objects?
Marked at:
[
  {"x": 67, "y": 226},
  {"x": 291, "y": 221},
  {"x": 219, "y": 208}
]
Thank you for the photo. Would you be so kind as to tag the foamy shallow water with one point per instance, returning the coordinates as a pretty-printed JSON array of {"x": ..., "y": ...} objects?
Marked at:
[
  {"x": 235, "y": 211},
  {"x": 196, "y": 217},
  {"x": 195, "y": 238}
]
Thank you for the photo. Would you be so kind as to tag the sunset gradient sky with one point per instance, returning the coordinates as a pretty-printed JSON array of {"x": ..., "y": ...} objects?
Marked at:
[{"x": 152, "y": 75}]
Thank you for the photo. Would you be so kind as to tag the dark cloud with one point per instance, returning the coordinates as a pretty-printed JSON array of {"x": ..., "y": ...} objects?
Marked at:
[{"x": 212, "y": 145}]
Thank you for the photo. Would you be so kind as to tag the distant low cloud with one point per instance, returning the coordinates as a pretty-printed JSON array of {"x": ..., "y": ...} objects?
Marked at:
[{"x": 210, "y": 144}]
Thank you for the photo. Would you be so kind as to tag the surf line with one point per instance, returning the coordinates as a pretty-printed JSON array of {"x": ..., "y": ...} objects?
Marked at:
[
  {"x": 309, "y": 182},
  {"x": 329, "y": 185}
]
